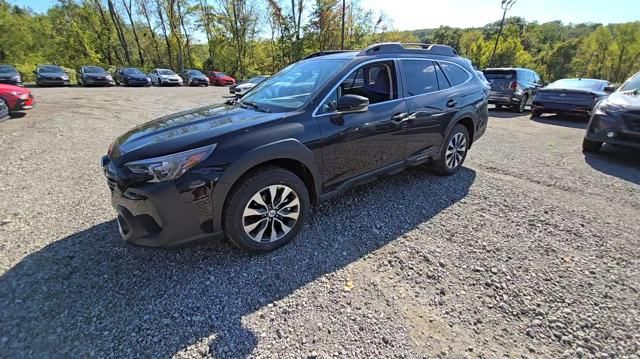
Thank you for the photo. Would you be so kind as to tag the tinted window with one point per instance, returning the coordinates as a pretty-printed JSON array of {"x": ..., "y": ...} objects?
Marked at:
[
  {"x": 93, "y": 70},
  {"x": 166, "y": 72},
  {"x": 50, "y": 70},
  {"x": 454, "y": 73},
  {"x": 443, "y": 83},
  {"x": 6, "y": 69},
  {"x": 420, "y": 77},
  {"x": 499, "y": 74}
]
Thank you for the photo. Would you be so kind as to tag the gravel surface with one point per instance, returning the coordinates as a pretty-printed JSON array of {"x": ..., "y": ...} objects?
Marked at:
[{"x": 532, "y": 250}]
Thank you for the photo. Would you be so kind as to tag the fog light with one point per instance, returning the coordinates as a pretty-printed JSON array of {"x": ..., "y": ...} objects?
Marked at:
[{"x": 611, "y": 134}]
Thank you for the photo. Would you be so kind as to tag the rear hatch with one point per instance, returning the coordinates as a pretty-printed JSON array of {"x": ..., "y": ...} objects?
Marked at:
[
  {"x": 566, "y": 96},
  {"x": 500, "y": 80}
]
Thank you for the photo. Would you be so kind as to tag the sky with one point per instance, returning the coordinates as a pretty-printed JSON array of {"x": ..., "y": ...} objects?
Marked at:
[{"x": 422, "y": 14}]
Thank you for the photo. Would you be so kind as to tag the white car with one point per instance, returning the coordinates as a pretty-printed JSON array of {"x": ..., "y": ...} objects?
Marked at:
[
  {"x": 165, "y": 77},
  {"x": 242, "y": 88}
]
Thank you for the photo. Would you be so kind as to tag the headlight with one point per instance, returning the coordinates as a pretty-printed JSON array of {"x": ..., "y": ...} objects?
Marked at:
[
  {"x": 606, "y": 108},
  {"x": 65, "y": 77},
  {"x": 170, "y": 167},
  {"x": 148, "y": 78},
  {"x": 16, "y": 78},
  {"x": 21, "y": 95},
  {"x": 109, "y": 77}
]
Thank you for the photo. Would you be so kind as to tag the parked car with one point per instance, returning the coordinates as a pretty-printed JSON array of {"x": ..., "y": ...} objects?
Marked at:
[
  {"x": 165, "y": 77},
  {"x": 16, "y": 98},
  {"x": 250, "y": 169},
  {"x": 131, "y": 76},
  {"x": 94, "y": 76},
  {"x": 218, "y": 78},
  {"x": 51, "y": 75},
  {"x": 616, "y": 119},
  {"x": 242, "y": 88},
  {"x": 192, "y": 77},
  {"x": 10, "y": 76},
  {"x": 512, "y": 87},
  {"x": 570, "y": 96}
]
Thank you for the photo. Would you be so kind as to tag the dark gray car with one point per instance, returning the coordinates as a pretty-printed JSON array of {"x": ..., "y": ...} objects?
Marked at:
[{"x": 512, "y": 87}]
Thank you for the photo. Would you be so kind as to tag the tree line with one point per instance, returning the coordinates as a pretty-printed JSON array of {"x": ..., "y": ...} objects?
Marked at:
[
  {"x": 241, "y": 37},
  {"x": 249, "y": 37},
  {"x": 553, "y": 49}
]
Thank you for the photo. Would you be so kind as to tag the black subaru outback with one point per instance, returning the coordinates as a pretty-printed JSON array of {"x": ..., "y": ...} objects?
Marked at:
[{"x": 249, "y": 170}]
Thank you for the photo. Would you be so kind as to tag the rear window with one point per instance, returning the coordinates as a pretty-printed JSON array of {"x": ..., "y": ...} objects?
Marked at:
[
  {"x": 500, "y": 75},
  {"x": 633, "y": 84},
  {"x": 580, "y": 84},
  {"x": 455, "y": 74}
]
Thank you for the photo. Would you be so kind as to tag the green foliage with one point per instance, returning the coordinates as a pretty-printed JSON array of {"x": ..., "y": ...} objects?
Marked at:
[{"x": 249, "y": 37}]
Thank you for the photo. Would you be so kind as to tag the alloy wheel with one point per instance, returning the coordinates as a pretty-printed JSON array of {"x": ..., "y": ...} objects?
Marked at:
[
  {"x": 456, "y": 150},
  {"x": 271, "y": 213}
]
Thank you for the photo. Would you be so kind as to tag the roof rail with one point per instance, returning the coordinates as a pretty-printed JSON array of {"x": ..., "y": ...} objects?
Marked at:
[
  {"x": 325, "y": 53},
  {"x": 410, "y": 47}
]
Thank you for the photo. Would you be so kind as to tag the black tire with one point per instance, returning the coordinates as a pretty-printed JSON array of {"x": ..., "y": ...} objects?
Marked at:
[
  {"x": 498, "y": 107},
  {"x": 535, "y": 113},
  {"x": 240, "y": 198},
  {"x": 442, "y": 164},
  {"x": 591, "y": 146},
  {"x": 5, "y": 105},
  {"x": 523, "y": 103}
]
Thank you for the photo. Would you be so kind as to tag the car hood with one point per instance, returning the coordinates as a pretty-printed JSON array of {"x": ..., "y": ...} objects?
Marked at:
[
  {"x": 625, "y": 100},
  {"x": 10, "y": 88},
  {"x": 245, "y": 85},
  {"x": 574, "y": 90},
  {"x": 104, "y": 74},
  {"x": 184, "y": 130}
]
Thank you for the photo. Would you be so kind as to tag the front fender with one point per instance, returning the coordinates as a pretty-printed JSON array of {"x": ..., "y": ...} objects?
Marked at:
[{"x": 290, "y": 149}]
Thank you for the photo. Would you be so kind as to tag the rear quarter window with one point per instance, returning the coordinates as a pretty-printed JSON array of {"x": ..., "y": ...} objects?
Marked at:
[{"x": 455, "y": 74}]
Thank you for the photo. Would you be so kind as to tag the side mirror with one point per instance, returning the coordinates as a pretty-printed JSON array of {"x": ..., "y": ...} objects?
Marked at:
[
  {"x": 610, "y": 89},
  {"x": 353, "y": 103},
  {"x": 35, "y": 72}
]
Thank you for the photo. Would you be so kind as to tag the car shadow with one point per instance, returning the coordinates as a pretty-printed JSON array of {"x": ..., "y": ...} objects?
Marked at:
[
  {"x": 506, "y": 113},
  {"x": 618, "y": 161},
  {"x": 71, "y": 297},
  {"x": 571, "y": 121}
]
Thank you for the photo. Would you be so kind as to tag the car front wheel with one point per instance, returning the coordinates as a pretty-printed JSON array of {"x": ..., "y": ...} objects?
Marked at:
[
  {"x": 266, "y": 209},
  {"x": 522, "y": 104},
  {"x": 454, "y": 151}
]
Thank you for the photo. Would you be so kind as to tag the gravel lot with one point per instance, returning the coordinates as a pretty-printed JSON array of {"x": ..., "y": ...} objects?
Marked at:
[{"x": 532, "y": 250}]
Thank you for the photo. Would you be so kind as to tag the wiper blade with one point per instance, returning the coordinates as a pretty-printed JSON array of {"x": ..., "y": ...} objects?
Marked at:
[{"x": 254, "y": 106}]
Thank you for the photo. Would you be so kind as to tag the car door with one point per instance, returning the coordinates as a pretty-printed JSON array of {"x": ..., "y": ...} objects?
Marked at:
[
  {"x": 431, "y": 101},
  {"x": 154, "y": 76},
  {"x": 354, "y": 144}
]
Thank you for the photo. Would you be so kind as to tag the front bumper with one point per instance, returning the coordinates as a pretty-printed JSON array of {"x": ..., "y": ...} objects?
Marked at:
[
  {"x": 52, "y": 82},
  {"x": 24, "y": 104},
  {"x": 98, "y": 82},
  {"x": 11, "y": 82},
  {"x": 625, "y": 129},
  {"x": 166, "y": 214},
  {"x": 137, "y": 82},
  {"x": 171, "y": 82},
  {"x": 196, "y": 82}
]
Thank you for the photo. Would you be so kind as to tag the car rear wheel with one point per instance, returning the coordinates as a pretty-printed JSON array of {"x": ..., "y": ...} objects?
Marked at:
[
  {"x": 498, "y": 107},
  {"x": 454, "y": 152},
  {"x": 535, "y": 113},
  {"x": 3, "y": 103},
  {"x": 522, "y": 104},
  {"x": 591, "y": 146},
  {"x": 266, "y": 209}
]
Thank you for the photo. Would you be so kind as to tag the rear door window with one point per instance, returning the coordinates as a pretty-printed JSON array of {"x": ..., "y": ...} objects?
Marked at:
[
  {"x": 443, "y": 83},
  {"x": 420, "y": 76}
]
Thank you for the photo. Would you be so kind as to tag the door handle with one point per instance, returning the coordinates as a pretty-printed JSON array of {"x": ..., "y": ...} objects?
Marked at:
[
  {"x": 399, "y": 117},
  {"x": 452, "y": 103}
]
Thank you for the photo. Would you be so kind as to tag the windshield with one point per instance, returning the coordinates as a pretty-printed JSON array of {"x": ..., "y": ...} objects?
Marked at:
[
  {"x": 93, "y": 70},
  {"x": 257, "y": 79},
  {"x": 49, "y": 70},
  {"x": 633, "y": 84},
  {"x": 220, "y": 74},
  {"x": 166, "y": 72},
  {"x": 500, "y": 75},
  {"x": 195, "y": 73},
  {"x": 6, "y": 69},
  {"x": 579, "y": 84},
  {"x": 294, "y": 85},
  {"x": 132, "y": 71}
]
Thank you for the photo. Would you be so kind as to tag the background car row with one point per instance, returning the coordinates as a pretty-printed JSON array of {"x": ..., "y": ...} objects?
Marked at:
[{"x": 54, "y": 75}]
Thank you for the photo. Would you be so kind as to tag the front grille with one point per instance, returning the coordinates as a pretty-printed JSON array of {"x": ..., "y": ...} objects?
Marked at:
[
  {"x": 112, "y": 184},
  {"x": 632, "y": 120}
]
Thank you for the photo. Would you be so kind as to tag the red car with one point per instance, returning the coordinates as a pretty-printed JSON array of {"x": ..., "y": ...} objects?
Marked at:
[
  {"x": 218, "y": 78},
  {"x": 16, "y": 98}
]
